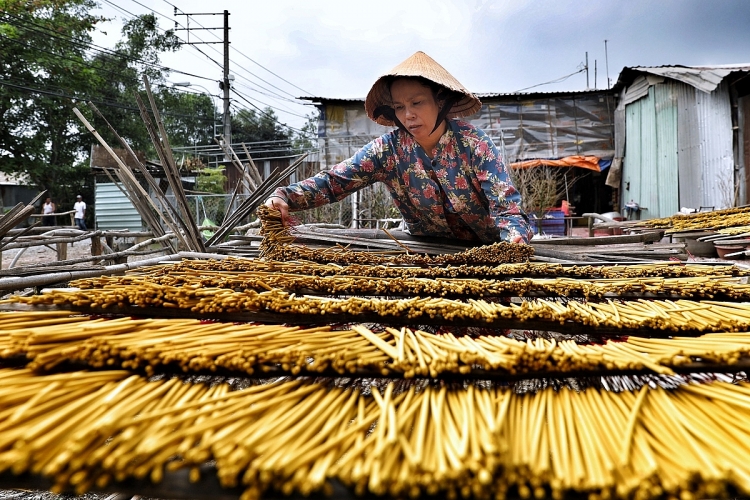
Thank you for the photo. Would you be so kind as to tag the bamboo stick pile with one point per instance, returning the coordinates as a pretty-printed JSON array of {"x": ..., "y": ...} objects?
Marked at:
[
  {"x": 717, "y": 219},
  {"x": 344, "y": 284},
  {"x": 158, "y": 346},
  {"x": 236, "y": 266},
  {"x": 667, "y": 315},
  {"x": 278, "y": 245},
  {"x": 89, "y": 429},
  {"x": 368, "y": 376}
]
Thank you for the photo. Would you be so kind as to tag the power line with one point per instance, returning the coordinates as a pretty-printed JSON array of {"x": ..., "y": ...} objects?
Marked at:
[
  {"x": 27, "y": 24},
  {"x": 184, "y": 42},
  {"x": 47, "y": 32},
  {"x": 561, "y": 79},
  {"x": 270, "y": 116},
  {"x": 278, "y": 107},
  {"x": 64, "y": 94},
  {"x": 278, "y": 96},
  {"x": 238, "y": 65},
  {"x": 253, "y": 61}
]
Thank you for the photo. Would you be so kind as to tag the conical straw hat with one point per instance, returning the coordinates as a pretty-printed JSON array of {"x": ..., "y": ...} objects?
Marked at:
[{"x": 420, "y": 64}]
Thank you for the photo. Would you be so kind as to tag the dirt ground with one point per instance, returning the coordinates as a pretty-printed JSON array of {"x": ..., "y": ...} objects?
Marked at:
[
  {"x": 43, "y": 254},
  {"x": 34, "y": 256}
]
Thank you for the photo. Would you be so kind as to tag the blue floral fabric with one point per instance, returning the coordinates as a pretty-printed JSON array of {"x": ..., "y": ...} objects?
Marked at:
[{"x": 464, "y": 192}]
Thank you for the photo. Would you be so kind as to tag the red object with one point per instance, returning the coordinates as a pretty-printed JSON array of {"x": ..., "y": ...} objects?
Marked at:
[
  {"x": 565, "y": 207},
  {"x": 723, "y": 250}
]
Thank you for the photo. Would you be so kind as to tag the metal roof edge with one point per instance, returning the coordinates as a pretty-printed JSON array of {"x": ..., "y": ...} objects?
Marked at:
[
  {"x": 485, "y": 95},
  {"x": 705, "y": 78}
]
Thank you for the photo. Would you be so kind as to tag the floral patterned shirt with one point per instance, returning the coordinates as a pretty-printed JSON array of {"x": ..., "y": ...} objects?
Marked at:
[{"x": 464, "y": 192}]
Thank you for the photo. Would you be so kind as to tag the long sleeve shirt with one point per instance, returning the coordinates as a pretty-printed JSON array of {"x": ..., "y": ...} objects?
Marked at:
[{"x": 463, "y": 192}]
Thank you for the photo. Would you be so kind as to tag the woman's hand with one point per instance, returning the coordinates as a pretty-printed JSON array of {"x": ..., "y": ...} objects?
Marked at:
[{"x": 279, "y": 204}]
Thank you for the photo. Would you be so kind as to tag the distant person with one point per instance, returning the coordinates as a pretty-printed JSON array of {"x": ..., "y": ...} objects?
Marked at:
[
  {"x": 80, "y": 213},
  {"x": 47, "y": 209}
]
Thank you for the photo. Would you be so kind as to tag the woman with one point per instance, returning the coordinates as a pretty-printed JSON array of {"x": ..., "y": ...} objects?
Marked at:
[
  {"x": 446, "y": 176},
  {"x": 47, "y": 210}
]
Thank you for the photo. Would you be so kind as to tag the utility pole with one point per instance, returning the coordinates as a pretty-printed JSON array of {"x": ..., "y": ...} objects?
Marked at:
[
  {"x": 226, "y": 118},
  {"x": 587, "y": 70},
  {"x": 606, "y": 62},
  {"x": 225, "y": 82}
]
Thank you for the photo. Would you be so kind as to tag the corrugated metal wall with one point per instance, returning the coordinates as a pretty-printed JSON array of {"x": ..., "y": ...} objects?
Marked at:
[
  {"x": 715, "y": 129},
  {"x": 679, "y": 150},
  {"x": 688, "y": 148},
  {"x": 542, "y": 127},
  {"x": 665, "y": 102},
  {"x": 743, "y": 147},
  {"x": 650, "y": 164},
  {"x": 707, "y": 177},
  {"x": 631, "y": 167},
  {"x": 113, "y": 210}
]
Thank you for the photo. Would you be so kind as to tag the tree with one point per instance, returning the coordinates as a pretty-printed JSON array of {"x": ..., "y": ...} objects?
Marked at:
[
  {"x": 211, "y": 180},
  {"x": 306, "y": 139},
  {"x": 188, "y": 117},
  {"x": 43, "y": 49},
  {"x": 250, "y": 126},
  {"x": 48, "y": 66},
  {"x": 118, "y": 77}
]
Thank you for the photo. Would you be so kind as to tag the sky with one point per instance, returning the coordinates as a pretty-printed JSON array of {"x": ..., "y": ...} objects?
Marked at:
[{"x": 281, "y": 50}]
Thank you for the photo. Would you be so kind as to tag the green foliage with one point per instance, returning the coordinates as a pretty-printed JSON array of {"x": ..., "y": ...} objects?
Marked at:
[
  {"x": 42, "y": 46},
  {"x": 307, "y": 139},
  {"x": 48, "y": 67},
  {"x": 211, "y": 180},
  {"x": 190, "y": 119},
  {"x": 118, "y": 77},
  {"x": 250, "y": 126}
]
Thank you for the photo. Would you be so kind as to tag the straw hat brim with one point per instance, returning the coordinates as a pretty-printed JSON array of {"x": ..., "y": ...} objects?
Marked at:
[{"x": 421, "y": 65}]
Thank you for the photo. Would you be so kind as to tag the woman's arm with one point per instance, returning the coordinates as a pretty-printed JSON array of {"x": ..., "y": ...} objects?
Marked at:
[
  {"x": 503, "y": 198},
  {"x": 361, "y": 170}
]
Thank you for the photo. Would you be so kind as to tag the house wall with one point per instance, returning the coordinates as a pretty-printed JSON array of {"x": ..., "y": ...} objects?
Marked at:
[
  {"x": 114, "y": 210},
  {"x": 714, "y": 122},
  {"x": 539, "y": 126},
  {"x": 743, "y": 146},
  {"x": 678, "y": 149},
  {"x": 12, "y": 194},
  {"x": 548, "y": 127}
]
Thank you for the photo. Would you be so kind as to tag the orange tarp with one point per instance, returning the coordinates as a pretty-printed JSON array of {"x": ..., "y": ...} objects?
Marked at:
[{"x": 588, "y": 162}]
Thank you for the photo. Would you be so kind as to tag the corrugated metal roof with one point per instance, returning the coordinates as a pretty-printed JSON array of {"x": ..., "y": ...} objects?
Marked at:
[
  {"x": 705, "y": 78},
  {"x": 487, "y": 95}
]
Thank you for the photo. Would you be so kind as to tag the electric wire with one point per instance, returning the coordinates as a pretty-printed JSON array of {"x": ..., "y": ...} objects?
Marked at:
[
  {"x": 246, "y": 99},
  {"x": 110, "y": 104},
  {"x": 266, "y": 104},
  {"x": 251, "y": 60},
  {"x": 213, "y": 60},
  {"x": 558, "y": 80},
  {"x": 270, "y": 116}
]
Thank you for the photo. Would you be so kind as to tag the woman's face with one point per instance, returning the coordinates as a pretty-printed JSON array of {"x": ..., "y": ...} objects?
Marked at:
[{"x": 417, "y": 110}]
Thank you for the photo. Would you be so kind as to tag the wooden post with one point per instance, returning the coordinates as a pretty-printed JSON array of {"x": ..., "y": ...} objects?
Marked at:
[
  {"x": 96, "y": 245},
  {"x": 62, "y": 251}
]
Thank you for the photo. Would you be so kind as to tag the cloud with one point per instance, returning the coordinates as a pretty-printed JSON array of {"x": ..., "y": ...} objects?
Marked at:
[{"x": 338, "y": 48}]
